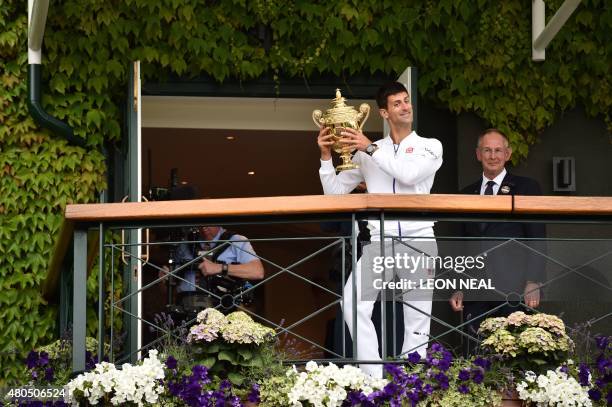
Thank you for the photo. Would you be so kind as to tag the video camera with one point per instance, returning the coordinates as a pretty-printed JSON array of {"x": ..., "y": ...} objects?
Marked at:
[{"x": 221, "y": 290}]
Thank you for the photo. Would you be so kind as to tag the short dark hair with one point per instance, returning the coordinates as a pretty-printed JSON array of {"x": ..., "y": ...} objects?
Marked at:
[
  {"x": 492, "y": 130},
  {"x": 386, "y": 90}
]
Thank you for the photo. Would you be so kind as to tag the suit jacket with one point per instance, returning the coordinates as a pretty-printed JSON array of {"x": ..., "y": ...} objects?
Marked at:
[{"x": 512, "y": 264}]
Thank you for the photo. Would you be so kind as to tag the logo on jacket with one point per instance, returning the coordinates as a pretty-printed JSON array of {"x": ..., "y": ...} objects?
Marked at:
[
  {"x": 505, "y": 189},
  {"x": 434, "y": 155},
  {"x": 409, "y": 150}
]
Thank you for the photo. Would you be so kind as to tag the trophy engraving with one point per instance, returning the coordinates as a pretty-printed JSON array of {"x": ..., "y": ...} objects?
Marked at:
[{"x": 338, "y": 117}]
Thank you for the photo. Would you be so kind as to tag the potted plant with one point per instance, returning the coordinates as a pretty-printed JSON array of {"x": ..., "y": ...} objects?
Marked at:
[
  {"x": 535, "y": 350},
  {"x": 232, "y": 347}
]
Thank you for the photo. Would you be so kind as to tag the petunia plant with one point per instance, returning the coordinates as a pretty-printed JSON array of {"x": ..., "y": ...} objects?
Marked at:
[
  {"x": 440, "y": 380},
  {"x": 598, "y": 377},
  {"x": 52, "y": 364}
]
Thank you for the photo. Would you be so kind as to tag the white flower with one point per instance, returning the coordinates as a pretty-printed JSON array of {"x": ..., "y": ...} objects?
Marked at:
[
  {"x": 132, "y": 384},
  {"x": 555, "y": 388},
  {"x": 328, "y": 386}
]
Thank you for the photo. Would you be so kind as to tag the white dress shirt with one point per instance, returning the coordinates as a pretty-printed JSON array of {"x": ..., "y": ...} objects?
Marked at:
[{"x": 498, "y": 180}]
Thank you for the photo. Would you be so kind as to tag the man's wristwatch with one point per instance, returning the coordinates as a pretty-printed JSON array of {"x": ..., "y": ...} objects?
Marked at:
[
  {"x": 370, "y": 149},
  {"x": 224, "y": 269}
]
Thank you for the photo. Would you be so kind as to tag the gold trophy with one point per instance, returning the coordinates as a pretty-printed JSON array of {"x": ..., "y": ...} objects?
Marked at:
[{"x": 338, "y": 117}]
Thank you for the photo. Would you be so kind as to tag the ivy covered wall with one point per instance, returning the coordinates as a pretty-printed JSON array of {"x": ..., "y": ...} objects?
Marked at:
[{"x": 472, "y": 55}]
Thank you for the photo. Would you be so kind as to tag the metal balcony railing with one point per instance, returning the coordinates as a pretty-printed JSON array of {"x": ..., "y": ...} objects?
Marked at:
[{"x": 93, "y": 231}]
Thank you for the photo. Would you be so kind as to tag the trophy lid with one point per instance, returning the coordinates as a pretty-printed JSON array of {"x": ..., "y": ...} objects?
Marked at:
[{"x": 339, "y": 109}]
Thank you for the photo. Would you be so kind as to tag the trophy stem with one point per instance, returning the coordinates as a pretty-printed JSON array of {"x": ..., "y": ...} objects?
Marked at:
[{"x": 347, "y": 164}]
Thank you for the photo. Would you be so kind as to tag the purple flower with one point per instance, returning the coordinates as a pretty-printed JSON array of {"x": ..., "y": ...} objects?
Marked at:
[
  {"x": 442, "y": 380},
  {"x": 174, "y": 388},
  {"x": 477, "y": 375},
  {"x": 90, "y": 360},
  {"x": 234, "y": 401},
  {"x": 49, "y": 374},
  {"x": 413, "y": 396},
  {"x": 225, "y": 385},
  {"x": 438, "y": 356},
  {"x": 464, "y": 375},
  {"x": 390, "y": 389},
  {"x": 395, "y": 371},
  {"x": 436, "y": 347},
  {"x": 378, "y": 395},
  {"x": 34, "y": 374},
  {"x": 219, "y": 397},
  {"x": 354, "y": 398},
  {"x": 444, "y": 364},
  {"x": 583, "y": 374},
  {"x": 44, "y": 359},
  {"x": 595, "y": 394},
  {"x": 464, "y": 389},
  {"x": 564, "y": 369},
  {"x": 602, "y": 342},
  {"x": 171, "y": 362},
  {"x": 603, "y": 364},
  {"x": 609, "y": 397},
  {"x": 428, "y": 389},
  {"x": 32, "y": 359},
  {"x": 414, "y": 358},
  {"x": 200, "y": 372},
  {"x": 482, "y": 362},
  {"x": 253, "y": 396},
  {"x": 414, "y": 380}
]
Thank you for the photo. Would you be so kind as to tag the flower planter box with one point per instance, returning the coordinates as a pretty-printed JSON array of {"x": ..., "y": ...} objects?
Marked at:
[{"x": 510, "y": 398}]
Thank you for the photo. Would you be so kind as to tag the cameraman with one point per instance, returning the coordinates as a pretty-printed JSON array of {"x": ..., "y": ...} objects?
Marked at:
[
  {"x": 237, "y": 259},
  {"x": 221, "y": 270}
]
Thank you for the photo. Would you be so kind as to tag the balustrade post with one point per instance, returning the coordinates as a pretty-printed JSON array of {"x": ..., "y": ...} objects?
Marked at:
[{"x": 79, "y": 300}]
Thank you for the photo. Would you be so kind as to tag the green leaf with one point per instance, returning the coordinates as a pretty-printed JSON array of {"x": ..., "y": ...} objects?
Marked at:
[
  {"x": 235, "y": 378},
  {"x": 209, "y": 362},
  {"x": 348, "y": 12},
  {"x": 246, "y": 354},
  {"x": 212, "y": 348},
  {"x": 257, "y": 361},
  {"x": 93, "y": 116},
  {"x": 228, "y": 356}
]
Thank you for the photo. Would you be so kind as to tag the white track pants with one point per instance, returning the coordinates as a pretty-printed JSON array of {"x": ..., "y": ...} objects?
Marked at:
[{"x": 416, "y": 320}]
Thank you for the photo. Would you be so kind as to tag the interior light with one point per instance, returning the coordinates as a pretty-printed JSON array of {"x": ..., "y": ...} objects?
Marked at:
[
  {"x": 230, "y": 137},
  {"x": 251, "y": 172}
]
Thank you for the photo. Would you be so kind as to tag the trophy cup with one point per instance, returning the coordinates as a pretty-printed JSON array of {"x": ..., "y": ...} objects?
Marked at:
[{"x": 338, "y": 117}]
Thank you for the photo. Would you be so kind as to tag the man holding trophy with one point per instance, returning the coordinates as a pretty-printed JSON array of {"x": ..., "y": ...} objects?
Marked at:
[{"x": 400, "y": 163}]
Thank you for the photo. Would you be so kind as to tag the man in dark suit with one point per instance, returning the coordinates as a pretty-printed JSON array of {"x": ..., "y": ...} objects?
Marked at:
[{"x": 515, "y": 268}]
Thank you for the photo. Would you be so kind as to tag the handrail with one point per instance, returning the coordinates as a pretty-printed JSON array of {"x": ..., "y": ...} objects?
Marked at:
[
  {"x": 567, "y": 205},
  {"x": 285, "y": 205},
  {"x": 314, "y": 204}
]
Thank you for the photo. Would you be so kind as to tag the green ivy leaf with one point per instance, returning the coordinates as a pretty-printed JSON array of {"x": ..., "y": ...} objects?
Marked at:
[{"x": 94, "y": 117}]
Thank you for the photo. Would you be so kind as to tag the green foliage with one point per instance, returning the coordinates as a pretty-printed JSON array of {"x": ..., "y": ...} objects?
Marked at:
[
  {"x": 274, "y": 390},
  {"x": 472, "y": 57},
  {"x": 479, "y": 395},
  {"x": 231, "y": 360}
]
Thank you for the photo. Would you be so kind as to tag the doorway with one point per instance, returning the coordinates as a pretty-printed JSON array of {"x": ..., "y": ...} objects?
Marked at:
[{"x": 249, "y": 147}]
